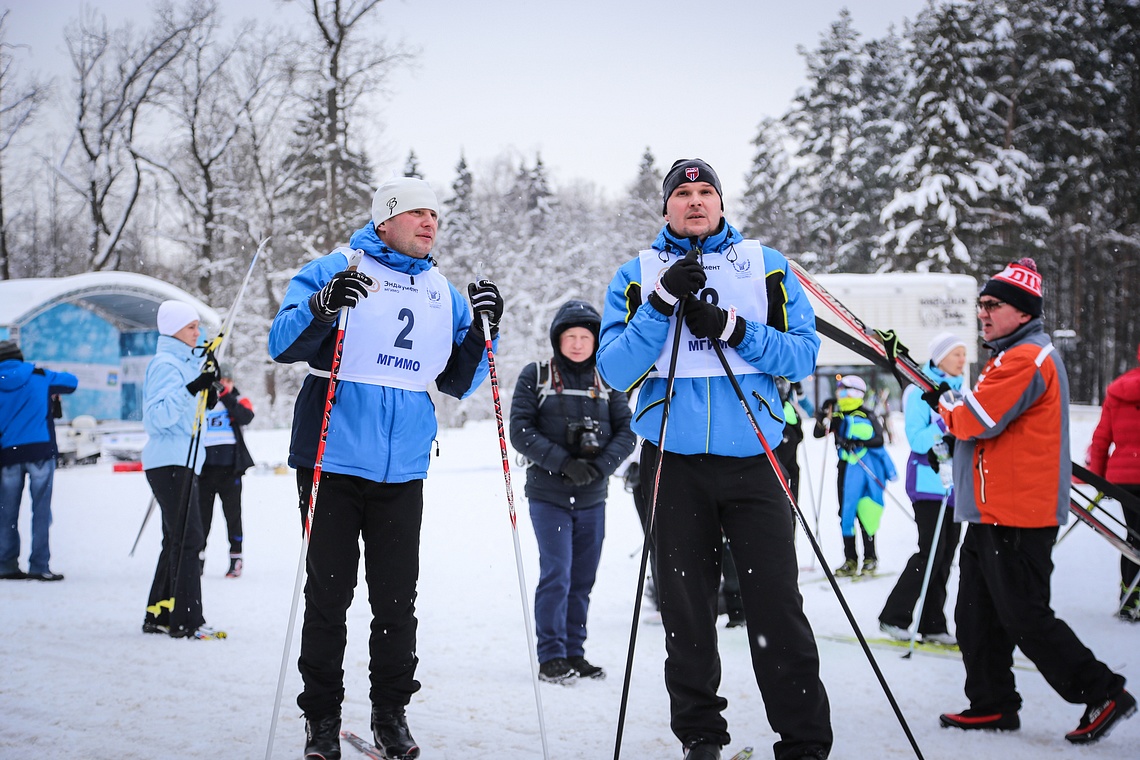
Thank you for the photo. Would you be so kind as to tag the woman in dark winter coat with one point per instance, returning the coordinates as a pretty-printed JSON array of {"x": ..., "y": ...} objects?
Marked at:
[
  {"x": 574, "y": 432},
  {"x": 1119, "y": 430}
]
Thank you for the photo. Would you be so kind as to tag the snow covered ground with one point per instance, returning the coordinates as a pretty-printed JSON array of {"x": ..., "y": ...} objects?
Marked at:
[{"x": 78, "y": 678}]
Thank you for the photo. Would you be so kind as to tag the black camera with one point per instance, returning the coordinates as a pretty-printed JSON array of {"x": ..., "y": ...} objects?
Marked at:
[{"x": 583, "y": 436}]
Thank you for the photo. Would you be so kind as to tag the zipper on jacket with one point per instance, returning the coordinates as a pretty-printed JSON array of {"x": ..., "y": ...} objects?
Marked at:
[
  {"x": 981, "y": 474},
  {"x": 649, "y": 406}
]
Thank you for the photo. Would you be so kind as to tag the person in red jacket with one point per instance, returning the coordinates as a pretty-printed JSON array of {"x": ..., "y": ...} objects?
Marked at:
[
  {"x": 1011, "y": 484},
  {"x": 1119, "y": 430}
]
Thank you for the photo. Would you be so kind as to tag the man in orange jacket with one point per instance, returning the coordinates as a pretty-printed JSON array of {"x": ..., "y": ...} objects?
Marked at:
[{"x": 1011, "y": 482}]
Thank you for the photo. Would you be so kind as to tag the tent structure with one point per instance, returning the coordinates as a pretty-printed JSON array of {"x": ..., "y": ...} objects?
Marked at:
[{"x": 100, "y": 326}]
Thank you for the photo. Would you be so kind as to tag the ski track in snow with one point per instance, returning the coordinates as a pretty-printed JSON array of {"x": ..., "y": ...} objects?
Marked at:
[{"x": 80, "y": 679}]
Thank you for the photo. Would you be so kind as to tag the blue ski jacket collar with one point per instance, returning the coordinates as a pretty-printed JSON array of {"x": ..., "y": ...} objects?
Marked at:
[
  {"x": 368, "y": 241},
  {"x": 722, "y": 239},
  {"x": 938, "y": 376}
]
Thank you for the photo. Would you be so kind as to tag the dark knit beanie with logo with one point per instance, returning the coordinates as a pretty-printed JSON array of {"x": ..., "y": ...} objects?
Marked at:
[
  {"x": 10, "y": 349},
  {"x": 688, "y": 170},
  {"x": 1019, "y": 285}
]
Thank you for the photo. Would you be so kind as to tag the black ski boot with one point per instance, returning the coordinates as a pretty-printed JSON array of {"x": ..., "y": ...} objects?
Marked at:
[
  {"x": 322, "y": 737},
  {"x": 702, "y": 751},
  {"x": 391, "y": 736}
]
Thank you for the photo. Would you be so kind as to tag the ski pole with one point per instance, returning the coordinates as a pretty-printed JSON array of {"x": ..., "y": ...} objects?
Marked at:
[
  {"x": 146, "y": 517},
  {"x": 532, "y": 652},
  {"x": 1095, "y": 501},
  {"x": 1128, "y": 592},
  {"x": 330, "y": 396},
  {"x": 649, "y": 517},
  {"x": 815, "y": 546},
  {"x": 883, "y": 486},
  {"x": 926, "y": 576}
]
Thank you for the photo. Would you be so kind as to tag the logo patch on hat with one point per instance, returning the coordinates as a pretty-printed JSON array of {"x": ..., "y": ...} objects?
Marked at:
[
  {"x": 391, "y": 205},
  {"x": 1023, "y": 277},
  {"x": 692, "y": 173}
]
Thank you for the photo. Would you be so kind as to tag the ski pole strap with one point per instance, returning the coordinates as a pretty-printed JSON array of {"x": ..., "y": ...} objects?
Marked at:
[
  {"x": 890, "y": 343},
  {"x": 320, "y": 372}
]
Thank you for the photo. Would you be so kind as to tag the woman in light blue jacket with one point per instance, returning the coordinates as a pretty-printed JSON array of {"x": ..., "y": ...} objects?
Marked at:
[
  {"x": 924, "y": 429},
  {"x": 170, "y": 402}
]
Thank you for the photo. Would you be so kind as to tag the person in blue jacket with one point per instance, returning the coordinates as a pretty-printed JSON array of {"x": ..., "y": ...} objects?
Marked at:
[
  {"x": 715, "y": 475},
  {"x": 27, "y": 451},
  {"x": 574, "y": 432},
  {"x": 174, "y": 378},
  {"x": 924, "y": 428},
  {"x": 408, "y": 327}
]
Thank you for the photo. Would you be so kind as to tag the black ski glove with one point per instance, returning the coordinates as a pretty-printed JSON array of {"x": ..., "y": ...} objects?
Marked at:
[
  {"x": 485, "y": 299},
  {"x": 344, "y": 289},
  {"x": 931, "y": 396},
  {"x": 202, "y": 382},
  {"x": 705, "y": 320},
  {"x": 932, "y": 458},
  {"x": 580, "y": 472},
  {"x": 683, "y": 278}
]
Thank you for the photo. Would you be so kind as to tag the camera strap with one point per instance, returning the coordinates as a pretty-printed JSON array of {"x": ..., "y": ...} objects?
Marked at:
[{"x": 550, "y": 381}]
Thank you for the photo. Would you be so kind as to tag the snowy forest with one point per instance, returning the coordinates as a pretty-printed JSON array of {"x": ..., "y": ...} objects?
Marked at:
[{"x": 979, "y": 133}]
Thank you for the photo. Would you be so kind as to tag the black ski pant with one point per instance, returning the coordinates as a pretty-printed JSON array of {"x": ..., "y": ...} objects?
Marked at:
[
  {"x": 899, "y": 609},
  {"x": 221, "y": 482},
  {"x": 642, "y": 494},
  {"x": 786, "y": 453},
  {"x": 700, "y": 496},
  {"x": 387, "y": 516},
  {"x": 1003, "y": 602},
  {"x": 1128, "y": 568},
  {"x": 176, "y": 592}
]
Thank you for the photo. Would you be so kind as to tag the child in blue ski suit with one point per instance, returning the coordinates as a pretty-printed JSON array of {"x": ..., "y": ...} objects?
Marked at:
[{"x": 864, "y": 468}]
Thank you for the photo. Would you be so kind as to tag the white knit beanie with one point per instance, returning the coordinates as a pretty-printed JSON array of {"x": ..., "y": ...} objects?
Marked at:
[
  {"x": 174, "y": 315},
  {"x": 855, "y": 385},
  {"x": 401, "y": 194},
  {"x": 942, "y": 344}
]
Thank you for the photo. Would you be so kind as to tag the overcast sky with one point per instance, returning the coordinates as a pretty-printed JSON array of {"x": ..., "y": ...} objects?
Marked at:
[{"x": 588, "y": 84}]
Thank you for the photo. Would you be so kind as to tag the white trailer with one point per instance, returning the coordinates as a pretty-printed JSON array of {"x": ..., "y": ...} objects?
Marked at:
[{"x": 917, "y": 306}]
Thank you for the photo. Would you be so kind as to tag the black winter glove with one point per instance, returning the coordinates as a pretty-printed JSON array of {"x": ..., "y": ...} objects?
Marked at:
[
  {"x": 705, "y": 320},
  {"x": 683, "y": 278},
  {"x": 344, "y": 289},
  {"x": 931, "y": 396},
  {"x": 580, "y": 472},
  {"x": 202, "y": 382},
  {"x": 932, "y": 458},
  {"x": 485, "y": 299}
]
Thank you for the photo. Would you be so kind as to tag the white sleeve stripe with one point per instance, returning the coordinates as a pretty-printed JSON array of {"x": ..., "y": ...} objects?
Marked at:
[
  {"x": 976, "y": 408},
  {"x": 1043, "y": 354}
]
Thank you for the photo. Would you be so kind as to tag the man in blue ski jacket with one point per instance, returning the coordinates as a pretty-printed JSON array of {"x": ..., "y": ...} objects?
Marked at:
[
  {"x": 408, "y": 327},
  {"x": 27, "y": 450},
  {"x": 715, "y": 475}
]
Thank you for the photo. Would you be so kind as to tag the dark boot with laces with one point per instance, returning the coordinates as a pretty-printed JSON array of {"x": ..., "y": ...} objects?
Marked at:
[
  {"x": 322, "y": 737},
  {"x": 391, "y": 735}
]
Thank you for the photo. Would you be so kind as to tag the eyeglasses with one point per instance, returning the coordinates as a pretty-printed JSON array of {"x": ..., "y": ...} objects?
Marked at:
[{"x": 989, "y": 306}]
